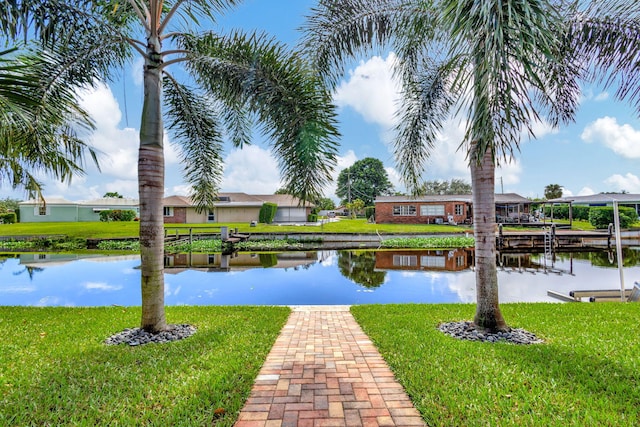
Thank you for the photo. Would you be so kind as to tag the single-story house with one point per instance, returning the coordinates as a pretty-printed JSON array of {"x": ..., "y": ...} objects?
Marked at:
[
  {"x": 447, "y": 209},
  {"x": 235, "y": 207},
  {"x": 58, "y": 209}
]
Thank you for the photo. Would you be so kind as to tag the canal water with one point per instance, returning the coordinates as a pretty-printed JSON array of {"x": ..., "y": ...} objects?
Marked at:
[{"x": 300, "y": 278}]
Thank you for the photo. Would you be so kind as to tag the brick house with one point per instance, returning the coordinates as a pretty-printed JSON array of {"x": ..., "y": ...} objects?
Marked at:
[{"x": 446, "y": 209}]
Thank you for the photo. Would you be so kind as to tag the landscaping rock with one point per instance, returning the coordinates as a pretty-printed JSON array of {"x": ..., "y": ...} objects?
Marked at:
[
  {"x": 138, "y": 336},
  {"x": 467, "y": 331}
]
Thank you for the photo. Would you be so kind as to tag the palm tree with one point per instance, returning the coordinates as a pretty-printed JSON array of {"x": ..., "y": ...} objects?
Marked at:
[
  {"x": 507, "y": 64},
  {"x": 35, "y": 137},
  {"x": 234, "y": 79}
]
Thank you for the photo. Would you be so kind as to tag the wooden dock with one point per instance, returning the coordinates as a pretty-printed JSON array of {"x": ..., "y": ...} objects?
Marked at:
[{"x": 551, "y": 240}]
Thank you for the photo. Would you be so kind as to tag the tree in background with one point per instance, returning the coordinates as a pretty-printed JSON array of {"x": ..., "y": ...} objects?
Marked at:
[
  {"x": 230, "y": 80},
  {"x": 365, "y": 180},
  {"x": 552, "y": 191},
  {"x": 355, "y": 207},
  {"x": 325, "y": 204},
  {"x": 112, "y": 195},
  {"x": 8, "y": 204},
  {"x": 455, "y": 186}
]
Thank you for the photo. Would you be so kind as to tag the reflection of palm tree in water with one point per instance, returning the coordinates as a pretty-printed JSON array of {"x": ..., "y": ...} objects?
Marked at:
[
  {"x": 359, "y": 266},
  {"x": 29, "y": 270}
]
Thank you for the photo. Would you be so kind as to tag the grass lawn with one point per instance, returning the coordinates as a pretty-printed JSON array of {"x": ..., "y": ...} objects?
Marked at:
[
  {"x": 131, "y": 229},
  {"x": 586, "y": 374},
  {"x": 55, "y": 370}
]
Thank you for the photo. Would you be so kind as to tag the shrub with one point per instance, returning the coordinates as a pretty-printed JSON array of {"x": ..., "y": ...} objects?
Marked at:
[
  {"x": 267, "y": 213},
  {"x": 602, "y": 217},
  {"x": 370, "y": 212},
  {"x": 581, "y": 213},
  {"x": 117, "y": 215},
  {"x": 8, "y": 218},
  {"x": 312, "y": 217}
]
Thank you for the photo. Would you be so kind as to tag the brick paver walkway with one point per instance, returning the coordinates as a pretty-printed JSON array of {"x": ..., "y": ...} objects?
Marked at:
[{"x": 324, "y": 371}]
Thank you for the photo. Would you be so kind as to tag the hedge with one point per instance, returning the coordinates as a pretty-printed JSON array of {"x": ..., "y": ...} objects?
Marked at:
[
  {"x": 267, "y": 213},
  {"x": 601, "y": 217},
  {"x": 8, "y": 218},
  {"x": 117, "y": 215}
]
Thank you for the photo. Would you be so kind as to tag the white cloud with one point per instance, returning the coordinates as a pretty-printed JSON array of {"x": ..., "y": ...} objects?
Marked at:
[
  {"x": 252, "y": 170},
  {"x": 395, "y": 179},
  {"x": 346, "y": 161},
  {"x": 128, "y": 188},
  {"x": 542, "y": 128},
  {"x": 371, "y": 90},
  {"x": 180, "y": 190},
  {"x": 586, "y": 191},
  {"x": 101, "y": 286},
  {"x": 602, "y": 96},
  {"x": 628, "y": 182},
  {"x": 622, "y": 139}
]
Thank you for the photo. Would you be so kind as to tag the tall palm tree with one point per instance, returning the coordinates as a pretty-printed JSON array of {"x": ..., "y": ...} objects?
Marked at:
[
  {"x": 505, "y": 63},
  {"x": 233, "y": 80}
]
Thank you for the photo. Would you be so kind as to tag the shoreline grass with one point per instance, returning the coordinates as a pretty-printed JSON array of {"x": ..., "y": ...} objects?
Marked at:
[
  {"x": 55, "y": 369},
  {"x": 587, "y": 372}
]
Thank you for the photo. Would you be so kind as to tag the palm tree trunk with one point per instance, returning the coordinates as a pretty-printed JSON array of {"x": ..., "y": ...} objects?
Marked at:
[
  {"x": 151, "y": 189},
  {"x": 488, "y": 315}
]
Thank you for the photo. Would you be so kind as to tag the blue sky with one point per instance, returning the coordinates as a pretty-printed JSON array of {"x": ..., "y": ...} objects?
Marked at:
[{"x": 598, "y": 153}]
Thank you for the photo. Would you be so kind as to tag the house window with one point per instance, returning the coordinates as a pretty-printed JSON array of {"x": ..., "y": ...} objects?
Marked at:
[
  {"x": 41, "y": 210},
  {"x": 405, "y": 261},
  {"x": 459, "y": 209},
  {"x": 460, "y": 261},
  {"x": 431, "y": 210},
  {"x": 168, "y": 211},
  {"x": 404, "y": 210},
  {"x": 211, "y": 216},
  {"x": 432, "y": 261}
]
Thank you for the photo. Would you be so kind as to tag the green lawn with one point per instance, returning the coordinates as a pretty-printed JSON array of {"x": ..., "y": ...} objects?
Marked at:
[
  {"x": 131, "y": 229},
  {"x": 586, "y": 374},
  {"x": 55, "y": 370}
]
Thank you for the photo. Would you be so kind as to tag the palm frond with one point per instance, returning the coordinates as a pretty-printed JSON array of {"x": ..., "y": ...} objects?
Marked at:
[
  {"x": 426, "y": 103},
  {"x": 194, "y": 123},
  {"x": 607, "y": 34},
  {"x": 509, "y": 44},
  {"x": 339, "y": 30},
  {"x": 290, "y": 103}
]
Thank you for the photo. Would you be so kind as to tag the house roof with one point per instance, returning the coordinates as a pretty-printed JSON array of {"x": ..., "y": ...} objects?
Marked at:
[
  {"x": 598, "y": 198},
  {"x": 110, "y": 201},
  {"x": 501, "y": 198},
  {"x": 283, "y": 200},
  {"x": 104, "y": 201},
  {"x": 238, "y": 199},
  {"x": 49, "y": 201}
]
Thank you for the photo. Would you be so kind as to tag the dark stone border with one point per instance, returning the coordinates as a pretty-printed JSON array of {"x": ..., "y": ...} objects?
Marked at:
[
  {"x": 138, "y": 336},
  {"x": 466, "y": 331}
]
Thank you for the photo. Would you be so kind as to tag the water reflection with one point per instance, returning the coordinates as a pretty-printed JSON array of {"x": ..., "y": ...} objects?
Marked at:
[{"x": 292, "y": 278}]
